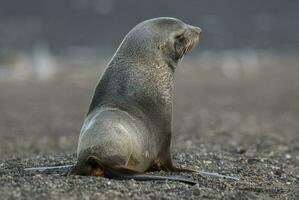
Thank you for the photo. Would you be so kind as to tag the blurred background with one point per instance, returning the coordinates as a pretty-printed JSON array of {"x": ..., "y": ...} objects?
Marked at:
[{"x": 241, "y": 78}]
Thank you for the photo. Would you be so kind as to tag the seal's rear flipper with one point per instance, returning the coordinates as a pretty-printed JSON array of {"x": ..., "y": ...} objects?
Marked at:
[
  {"x": 122, "y": 173},
  {"x": 147, "y": 177},
  {"x": 125, "y": 174}
]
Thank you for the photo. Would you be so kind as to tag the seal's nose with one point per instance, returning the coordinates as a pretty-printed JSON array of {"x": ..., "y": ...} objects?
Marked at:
[{"x": 196, "y": 29}]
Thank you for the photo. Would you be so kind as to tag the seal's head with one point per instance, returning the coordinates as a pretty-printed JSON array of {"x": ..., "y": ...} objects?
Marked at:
[{"x": 163, "y": 40}]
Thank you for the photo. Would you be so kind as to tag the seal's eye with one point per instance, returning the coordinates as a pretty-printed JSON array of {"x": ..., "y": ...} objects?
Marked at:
[{"x": 180, "y": 38}]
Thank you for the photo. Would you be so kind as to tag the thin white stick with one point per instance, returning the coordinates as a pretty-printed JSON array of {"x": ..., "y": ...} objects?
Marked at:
[
  {"x": 42, "y": 169},
  {"x": 218, "y": 175}
]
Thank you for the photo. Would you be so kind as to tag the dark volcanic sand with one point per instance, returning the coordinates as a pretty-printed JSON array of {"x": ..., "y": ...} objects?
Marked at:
[{"x": 246, "y": 127}]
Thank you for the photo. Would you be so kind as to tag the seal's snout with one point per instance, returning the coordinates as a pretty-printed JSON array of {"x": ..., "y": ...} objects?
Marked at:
[
  {"x": 196, "y": 30},
  {"x": 192, "y": 34}
]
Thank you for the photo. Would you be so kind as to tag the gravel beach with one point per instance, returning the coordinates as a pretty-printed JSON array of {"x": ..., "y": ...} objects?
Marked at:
[{"x": 245, "y": 126}]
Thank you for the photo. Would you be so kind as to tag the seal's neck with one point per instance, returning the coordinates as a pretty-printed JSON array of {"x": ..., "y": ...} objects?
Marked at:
[
  {"x": 148, "y": 81},
  {"x": 148, "y": 71}
]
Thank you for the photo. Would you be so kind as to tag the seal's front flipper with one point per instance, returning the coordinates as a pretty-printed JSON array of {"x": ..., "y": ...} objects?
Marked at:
[
  {"x": 173, "y": 168},
  {"x": 167, "y": 165}
]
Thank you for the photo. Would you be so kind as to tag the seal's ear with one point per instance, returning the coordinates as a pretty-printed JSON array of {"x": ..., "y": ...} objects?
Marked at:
[{"x": 180, "y": 38}]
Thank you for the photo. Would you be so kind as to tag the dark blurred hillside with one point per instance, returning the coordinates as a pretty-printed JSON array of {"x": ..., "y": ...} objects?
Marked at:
[{"x": 63, "y": 24}]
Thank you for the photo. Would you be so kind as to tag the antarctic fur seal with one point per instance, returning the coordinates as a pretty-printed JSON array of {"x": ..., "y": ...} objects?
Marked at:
[
  {"x": 127, "y": 130},
  {"x": 128, "y": 127}
]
